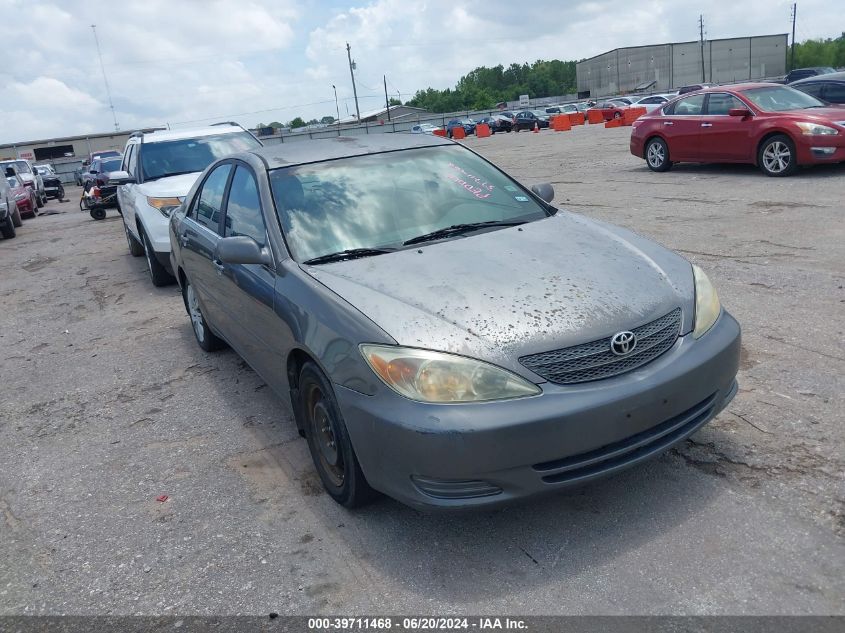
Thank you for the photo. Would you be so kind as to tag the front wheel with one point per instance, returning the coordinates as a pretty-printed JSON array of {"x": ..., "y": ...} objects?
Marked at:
[
  {"x": 206, "y": 339},
  {"x": 657, "y": 155},
  {"x": 98, "y": 214},
  {"x": 328, "y": 440},
  {"x": 16, "y": 217},
  {"x": 60, "y": 193},
  {"x": 38, "y": 201},
  {"x": 136, "y": 249},
  {"x": 776, "y": 156},
  {"x": 158, "y": 273},
  {"x": 8, "y": 229}
]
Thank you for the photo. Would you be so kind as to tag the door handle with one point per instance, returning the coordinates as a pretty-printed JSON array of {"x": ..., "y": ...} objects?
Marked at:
[
  {"x": 183, "y": 240},
  {"x": 218, "y": 266},
  {"x": 706, "y": 125},
  {"x": 668, "y": 123}
]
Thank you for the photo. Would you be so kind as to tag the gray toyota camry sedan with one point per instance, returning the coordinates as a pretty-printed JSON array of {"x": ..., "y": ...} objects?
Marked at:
[{"x": 442, "y": 333}]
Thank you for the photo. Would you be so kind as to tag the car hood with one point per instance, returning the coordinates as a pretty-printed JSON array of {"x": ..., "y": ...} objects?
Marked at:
[
  {"x": 822, "y": 115},
  {"x": 504, "y": 294},
  {"x": 172, "y": 186}
]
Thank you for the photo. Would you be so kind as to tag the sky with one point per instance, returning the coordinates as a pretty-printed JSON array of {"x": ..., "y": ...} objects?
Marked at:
[{"x": 194, "y": 62}]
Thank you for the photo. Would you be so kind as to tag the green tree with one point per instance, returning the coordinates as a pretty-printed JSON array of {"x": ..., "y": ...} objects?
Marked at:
[
  {"x": 827, "y": 52},
  {"x": 297, "y": 122},
  {"x": 276, "y": 124},
  {"x": 393, "y": 101},
  {"x": 327, "y": 120}
]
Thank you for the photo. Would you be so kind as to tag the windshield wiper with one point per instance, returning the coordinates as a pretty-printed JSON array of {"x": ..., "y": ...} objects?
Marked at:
[
  {"x": 350, "y": 253},
  {"x": 457, "y": 229}
]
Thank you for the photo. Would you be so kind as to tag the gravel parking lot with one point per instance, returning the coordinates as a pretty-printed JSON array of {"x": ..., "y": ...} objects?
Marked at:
[{"x": 108, "y": 403}]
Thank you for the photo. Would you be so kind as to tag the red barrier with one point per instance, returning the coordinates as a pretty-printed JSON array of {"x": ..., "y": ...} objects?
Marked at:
[
  {"x": 632, "y": 114},
  {"x": 576, "y": 118},
  {"x": 595, "y": 116},
  {"x": 439, "y": 132},
  {"x": 458, "y": 132},
  {"x": 614, "y": 123},
  {"x": 560, "y": 123},
  {"x": 482, "y": 130}
]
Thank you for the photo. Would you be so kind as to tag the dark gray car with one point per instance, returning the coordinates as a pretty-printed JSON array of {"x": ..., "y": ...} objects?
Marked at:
[{"x": 443, "y": 334}]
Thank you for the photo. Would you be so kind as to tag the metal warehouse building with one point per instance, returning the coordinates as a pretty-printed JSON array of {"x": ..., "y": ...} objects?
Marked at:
[{"x": 679, "y": 64}]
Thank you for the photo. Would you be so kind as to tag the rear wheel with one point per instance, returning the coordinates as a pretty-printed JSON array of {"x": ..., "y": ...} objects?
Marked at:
[
  {"x": 158, "y": 273},
  {"x": 617, "y": 115},
  {"x": 16, "y": 217},
  {"x": 206, "y": 339},
  {"x": 38, "y": 201},
  {"x": 328, "y": 440},
  {"x": 60, "y": 192},
  {"x": 776, "y": 156},
  {"x": 657, "y": 155},
  {"x": 98, "y": 214}
]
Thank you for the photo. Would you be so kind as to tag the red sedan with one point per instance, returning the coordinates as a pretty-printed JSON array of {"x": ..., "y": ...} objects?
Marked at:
[
  {"x": 610, "y": 109},
  {"x": 774, "y": 127},
  {"x": 23, "y": 195}
]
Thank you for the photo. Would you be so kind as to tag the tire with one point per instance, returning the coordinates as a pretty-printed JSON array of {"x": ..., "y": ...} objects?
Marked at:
[
  {"x": 98, "y": 214},
  {"x": 617, "y": 115},
  {"x": 657, "y": 155},
  {"x": 158, "y": 273},
  {"x": 206, "y": 339},
  {"x": 328, "y": 440},
  {"x": 136, "y": 249},
  {"x": 8, "y": 229},
  {"x": 16, "y": 217},
  {"x": 776, "y": 156},
  {"x": 60, "y": 192}
]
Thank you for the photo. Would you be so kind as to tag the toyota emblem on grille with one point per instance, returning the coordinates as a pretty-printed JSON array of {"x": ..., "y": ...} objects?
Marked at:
[{"x": 623, "y": 343}]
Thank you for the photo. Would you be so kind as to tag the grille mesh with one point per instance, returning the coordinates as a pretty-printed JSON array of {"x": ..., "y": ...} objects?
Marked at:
[{"x": 594, "y": 360}]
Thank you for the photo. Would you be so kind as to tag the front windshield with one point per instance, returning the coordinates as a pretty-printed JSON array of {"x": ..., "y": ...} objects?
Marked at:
[
  {"x": 781, "y": 99},
  {"x": 110, "y": 165},
  {"x": 382, "y": 200},
  {"x": 185, "y": 156},
  {"x": 20, "y": 166}
]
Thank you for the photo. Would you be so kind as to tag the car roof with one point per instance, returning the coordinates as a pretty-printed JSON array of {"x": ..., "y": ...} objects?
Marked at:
[
  {"x": 194, "y": 132},
  {"x": 319, "y": 150},
  {"x": 839, "y": 76}
]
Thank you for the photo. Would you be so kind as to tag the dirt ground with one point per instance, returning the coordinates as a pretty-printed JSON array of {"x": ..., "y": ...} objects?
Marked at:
[{"x": 108, "y": 403}]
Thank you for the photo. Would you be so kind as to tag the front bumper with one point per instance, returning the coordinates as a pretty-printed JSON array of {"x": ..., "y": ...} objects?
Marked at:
[
  {"x": 814, "y": 150},
  {"x": 476, "y": 455}
]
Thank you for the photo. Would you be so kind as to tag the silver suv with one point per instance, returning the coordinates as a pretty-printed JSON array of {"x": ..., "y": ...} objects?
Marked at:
[{"x": 158, "y": 170}]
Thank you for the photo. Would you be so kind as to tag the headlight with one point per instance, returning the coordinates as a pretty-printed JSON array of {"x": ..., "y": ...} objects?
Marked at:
[
  {"x": 20, "y": 196},
  {"x": 707, "y": 306},
  {"x": 816, "y": 129},
  {"x": 165, "y": 205},
  {"x": 430, "y": 376}
]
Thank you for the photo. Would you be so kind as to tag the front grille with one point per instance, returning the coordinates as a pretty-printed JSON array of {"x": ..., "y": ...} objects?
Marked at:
[
  {"x": 630, "y": 450},
  {"x": 594, "y": 360}
]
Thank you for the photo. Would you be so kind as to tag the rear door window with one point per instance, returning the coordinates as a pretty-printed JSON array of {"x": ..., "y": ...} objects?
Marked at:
[
  {"x": 210, "y": 198},
  {"x": 834, "y": 92}
]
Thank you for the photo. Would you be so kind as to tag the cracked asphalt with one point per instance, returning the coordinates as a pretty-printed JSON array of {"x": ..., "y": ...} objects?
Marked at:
[{"x": 107, "y": 404}]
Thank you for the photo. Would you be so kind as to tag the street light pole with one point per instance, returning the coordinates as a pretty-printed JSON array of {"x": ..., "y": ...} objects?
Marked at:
[{"x": 336, "y": 106}]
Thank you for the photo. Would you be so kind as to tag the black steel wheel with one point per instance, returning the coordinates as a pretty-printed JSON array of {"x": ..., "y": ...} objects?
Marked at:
[
  {"x": 328, "y": 440},
  {"x": 158, "y": 273},
  {"x": 98, "y": 213}
]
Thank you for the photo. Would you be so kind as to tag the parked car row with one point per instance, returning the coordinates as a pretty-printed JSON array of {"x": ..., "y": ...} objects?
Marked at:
[{"x": 30, "y": 177}]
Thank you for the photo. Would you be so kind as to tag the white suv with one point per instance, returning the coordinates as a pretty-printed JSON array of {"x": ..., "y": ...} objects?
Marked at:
[{"x": 157, "y": 172}]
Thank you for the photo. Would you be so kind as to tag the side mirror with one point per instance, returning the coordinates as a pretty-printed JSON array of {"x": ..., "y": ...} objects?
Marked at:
[
  {"x": 242, "y": 250},
  {"x": 10, "y": 172},
  {"x": 120, "y": 178},
  {"x": 743, "y": 112},
  {"x": 544, "y": 191}
]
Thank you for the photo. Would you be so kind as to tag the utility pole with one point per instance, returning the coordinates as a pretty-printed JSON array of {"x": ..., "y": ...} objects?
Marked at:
[
  {"x": 794, "y": 15},
  {"x": 105, "y": 81},
  {"x": 352, "y": 74},
  {"x": 701, "y": 36},
  {"x": 386, "y": 101}
]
